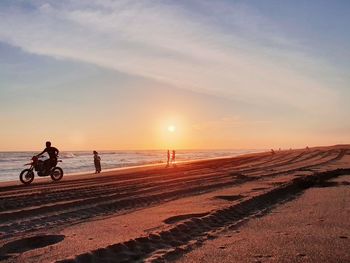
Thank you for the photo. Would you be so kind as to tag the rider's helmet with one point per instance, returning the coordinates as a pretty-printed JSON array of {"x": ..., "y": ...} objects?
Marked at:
[{"x": 48, "y": 144}]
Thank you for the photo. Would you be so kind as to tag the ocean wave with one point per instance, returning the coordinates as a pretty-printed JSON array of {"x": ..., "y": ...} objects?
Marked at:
[{"x": 67, "y": 155}]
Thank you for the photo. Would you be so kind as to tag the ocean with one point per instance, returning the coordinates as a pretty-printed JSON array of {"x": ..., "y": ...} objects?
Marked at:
[{"x": 12, "y": 163}]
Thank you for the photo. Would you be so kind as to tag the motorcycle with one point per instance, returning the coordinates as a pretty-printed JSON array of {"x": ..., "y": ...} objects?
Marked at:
[{"x": 27, "y": 175}]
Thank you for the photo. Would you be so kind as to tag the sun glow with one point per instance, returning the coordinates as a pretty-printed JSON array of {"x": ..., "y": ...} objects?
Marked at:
[
  {"x": 171, "y": 128},
  {"x": 170, "y": 132}
]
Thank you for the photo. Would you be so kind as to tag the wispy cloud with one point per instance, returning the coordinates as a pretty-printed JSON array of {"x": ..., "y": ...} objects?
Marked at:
[{"x": 223, "y": 48}]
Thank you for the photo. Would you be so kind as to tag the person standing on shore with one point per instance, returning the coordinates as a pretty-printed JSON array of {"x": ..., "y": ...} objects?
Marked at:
[
  {"x": 168, "y": 160},
  {"x": 97, "y": 162},
  {"x": 173, "y": 157}
]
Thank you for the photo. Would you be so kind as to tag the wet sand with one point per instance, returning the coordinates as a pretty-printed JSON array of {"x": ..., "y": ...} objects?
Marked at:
[{"x": 156, "y": 214}]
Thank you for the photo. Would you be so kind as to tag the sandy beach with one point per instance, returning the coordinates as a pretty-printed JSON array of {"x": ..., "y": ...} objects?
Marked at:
[
  {"x": 314, "y": 227},
  {"x": 218, "y": 131},
  {"x": 290, "y": 206}
]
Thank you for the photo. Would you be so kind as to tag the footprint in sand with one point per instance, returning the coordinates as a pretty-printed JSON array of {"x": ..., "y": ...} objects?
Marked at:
[{"x": 30, "y": 243}]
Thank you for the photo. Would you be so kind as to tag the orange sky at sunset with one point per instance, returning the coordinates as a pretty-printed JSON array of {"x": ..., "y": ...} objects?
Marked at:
[{"x": 226, "y": 74}]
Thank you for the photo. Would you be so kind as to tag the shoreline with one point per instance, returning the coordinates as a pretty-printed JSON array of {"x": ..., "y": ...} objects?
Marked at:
[
  {"x": 127, "y": 168},
  {"x": 155, "y": 165}
]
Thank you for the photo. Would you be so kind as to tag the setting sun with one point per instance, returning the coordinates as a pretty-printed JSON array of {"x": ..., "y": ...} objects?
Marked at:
[
  {"x": 172, "y": 131},
  {"x": 171, "y": 128}
]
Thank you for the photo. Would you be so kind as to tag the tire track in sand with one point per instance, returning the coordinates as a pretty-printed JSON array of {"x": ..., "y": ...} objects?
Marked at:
[
  {"x": 183, "y": 237},
  {"x": 136, "y": 197}
]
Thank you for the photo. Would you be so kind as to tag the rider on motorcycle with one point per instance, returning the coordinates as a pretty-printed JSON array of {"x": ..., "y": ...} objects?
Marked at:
[{"x": 52, "y": 152}]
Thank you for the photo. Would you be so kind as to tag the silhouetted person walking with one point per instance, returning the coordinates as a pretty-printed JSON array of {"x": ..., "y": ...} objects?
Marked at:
[
  {"x": 52, "y": 152},
  {"x": 97, "y": 162}
]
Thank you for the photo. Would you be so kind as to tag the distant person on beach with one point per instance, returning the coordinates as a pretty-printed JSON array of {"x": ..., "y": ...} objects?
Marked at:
[
  {"x": 53, "y": 153},
  {"x": 173, "y": 157},
  {"x": 168, "y": 158},
  {"x": 97, "y": 162},
  {"x": 272, "y": 151}
]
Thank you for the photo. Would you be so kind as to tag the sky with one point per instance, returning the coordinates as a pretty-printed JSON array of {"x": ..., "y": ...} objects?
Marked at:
[{"x": 226, "y": 74}]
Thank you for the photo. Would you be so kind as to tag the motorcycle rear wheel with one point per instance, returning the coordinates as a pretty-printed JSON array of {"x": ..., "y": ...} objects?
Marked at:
[
  {"x": 26, "y": 176},
  {"x": 56, "y": 174}
]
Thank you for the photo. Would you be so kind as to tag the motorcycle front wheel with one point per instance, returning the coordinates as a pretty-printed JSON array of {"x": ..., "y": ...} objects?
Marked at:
[
  {"x": 26, "y": 176},
  {"x": 56, "y": 174}
]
